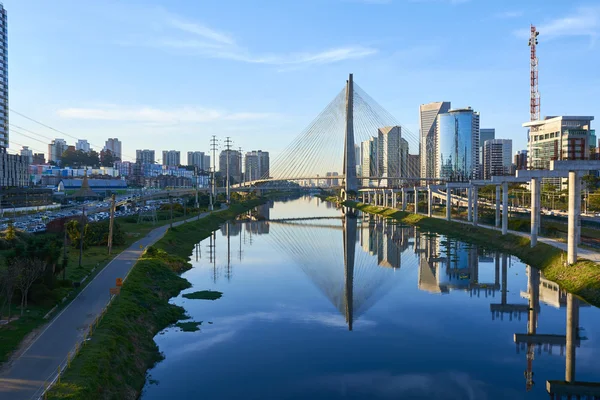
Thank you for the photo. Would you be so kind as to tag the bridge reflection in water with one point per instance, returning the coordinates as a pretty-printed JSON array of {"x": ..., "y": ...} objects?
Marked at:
[{"x": 376, "y": 251}]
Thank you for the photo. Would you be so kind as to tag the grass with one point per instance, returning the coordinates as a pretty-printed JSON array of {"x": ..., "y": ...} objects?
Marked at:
[
  {"x": 191, "y": 326},
  {"x": 94, "y": 259},
  {"x": 581, "y": 278},
  {"x": 114, "y": 362},
  {"x": 203, "y": 295}
]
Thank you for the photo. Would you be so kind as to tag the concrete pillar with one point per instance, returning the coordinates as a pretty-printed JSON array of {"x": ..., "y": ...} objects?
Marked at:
[
  {"x": 416, "y": 200},
  {"x": 475, "y": 196},
  {"x": 394, "y": 199},
  {"x": 574, "y": 211},
  {"x": 448, "y": 203},
  {"x": 369, "y": 197},
  {"x": 572, "y": 326},
  {"x": 429, "y": 202},
  {"x": 535, "y": 209},
  {"x": 469, "y": 204},
  {"x": 404, "y": 199},
  {"x": 504, "y": 208},
  {"x": 385, "y": 197},
  {"x": 497, "y": 206}
]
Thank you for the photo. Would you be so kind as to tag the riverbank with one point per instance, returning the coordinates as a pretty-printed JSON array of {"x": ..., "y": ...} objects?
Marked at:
[
  {"x": 114, "y": 361},
  {"x": 581, "y": 279}
]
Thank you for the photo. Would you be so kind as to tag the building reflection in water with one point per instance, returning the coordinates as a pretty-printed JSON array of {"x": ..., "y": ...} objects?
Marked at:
[{"x": 356, "y": 275}]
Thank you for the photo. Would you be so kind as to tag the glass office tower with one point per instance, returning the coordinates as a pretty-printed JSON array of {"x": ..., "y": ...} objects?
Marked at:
[{"x": 457, "y": 149}]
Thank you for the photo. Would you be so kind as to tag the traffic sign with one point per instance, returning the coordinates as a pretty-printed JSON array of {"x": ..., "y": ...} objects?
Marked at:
[
  {"x": 119, "y": 282},
  {"x": 115, "y": 290}
]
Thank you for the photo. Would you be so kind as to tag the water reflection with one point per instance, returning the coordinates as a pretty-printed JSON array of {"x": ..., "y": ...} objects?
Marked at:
[{"x": 446, "y": 291}]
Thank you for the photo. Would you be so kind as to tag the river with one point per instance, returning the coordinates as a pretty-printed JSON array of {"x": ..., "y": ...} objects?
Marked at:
[{"x": 316, "y": 305}]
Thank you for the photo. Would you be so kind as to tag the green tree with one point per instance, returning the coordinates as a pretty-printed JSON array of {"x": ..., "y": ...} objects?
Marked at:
[
  {"x": 590, "y": 182},
  {"x": 107, "y": 158}
]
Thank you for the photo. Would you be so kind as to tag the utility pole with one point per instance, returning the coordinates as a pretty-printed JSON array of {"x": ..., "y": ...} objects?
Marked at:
[
  {"x": 241, "y": 164},
  {"x": 111, "y": 223},
  {"x": 213, "y": 188},
  {"x": 171, "y": 210},
  {"x": 228, "y": 155},
  {"x": 196, "y": 181},
  {"x": 65, "y": 260},
  {"x": 81, "y": 235}
]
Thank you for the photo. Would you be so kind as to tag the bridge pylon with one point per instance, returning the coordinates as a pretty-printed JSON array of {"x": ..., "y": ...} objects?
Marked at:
[{"x": 351, "y": 182}]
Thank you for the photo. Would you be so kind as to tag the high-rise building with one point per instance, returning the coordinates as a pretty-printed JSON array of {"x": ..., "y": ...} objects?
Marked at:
[
  {"x": 358, "y": 159},
  {"x": 497, "y": 157},
  {"x": 144, "y": 156},
  {"x": 368, "y": 157},
  {"x": 3, "y": 80},
  {"x": 27, "y": 154},
  {"x": 332, "y": 181},
  {"x": 414, "y": 165},
  {"x": 428, "y": 120},
  {"x": 520, "y": 160},
  {"x": 195, "y": 158},
  {"x": 392, "y": 154},
  {"x": 206, "y": 163},
  {"x": 171, "y": 158},
  {"x": 82, "y": 145},
  {"x": 559, "y": 138},
  {"x": 257, "y": 165},
  {"x": 13, "y": 170},
  {"x": 484, "y": 135},
  {"x": 56, "y": 149},
  {"x": 235, "y": 172},
  {"x": 38, "y": 159},
  {"x": 114, "y": 145},
  {"x": 457, "y": 149}
]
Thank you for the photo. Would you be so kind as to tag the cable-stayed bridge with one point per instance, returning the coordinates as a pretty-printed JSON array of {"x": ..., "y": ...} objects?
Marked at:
[{"x": 341, "y": 137}]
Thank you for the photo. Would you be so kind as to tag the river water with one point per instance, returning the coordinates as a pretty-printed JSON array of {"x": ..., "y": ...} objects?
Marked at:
[{"x": 320, "y": 306}]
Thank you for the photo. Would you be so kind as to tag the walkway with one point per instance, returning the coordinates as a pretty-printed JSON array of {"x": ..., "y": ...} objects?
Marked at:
[
  {"x": 26, "y": 376},
  {"x": 581, "y": 253}
]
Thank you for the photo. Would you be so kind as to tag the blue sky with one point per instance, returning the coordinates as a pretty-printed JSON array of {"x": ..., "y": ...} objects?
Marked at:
[{"x": 168, "y": 74}]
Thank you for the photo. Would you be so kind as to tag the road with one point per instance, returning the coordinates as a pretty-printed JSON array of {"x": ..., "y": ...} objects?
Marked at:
[{"x": 26, "y": 376}]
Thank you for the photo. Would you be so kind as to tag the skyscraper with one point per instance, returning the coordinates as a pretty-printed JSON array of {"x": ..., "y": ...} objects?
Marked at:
[
  {"x": 27, "y": 154},
  {"x": 206, "y": 163},
  {"x": 497, "y": 157},
  {"x": 369, "y": 164},
  {"x": 195, "y": 158},
  {"x": 428, "y": 114},
  {"x": 3, "y": 80},
  {"x": 114, "y": 145},
  {"x": 144, "y": 156},
  {"x": 82, "y": 145},
  {"x": 392, "y": 154},
  {"x": 234, "y": 165},
  {"x": 457, "y": 149},
  {"x": 257, "y": 165},
  {"x": 56, "y": 149},
  {"x": 171, "y": 158},
  {"x": 484, "y": 135}
]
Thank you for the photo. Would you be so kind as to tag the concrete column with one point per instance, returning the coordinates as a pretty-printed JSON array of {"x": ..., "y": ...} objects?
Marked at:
[
  {"x": 504, "y": 208},
  {"x": 369, "y": 197},
  {"x": 475, "y": 195},
  {"x": 394, "y": 199},
  {"x": 404, "y": 199},
  {"x": 429, "y": 202},
  {"x": 448, "y": 203},
  {"x": 497, "y": 206},
  {"x": 385, "y": 197},
  {"x": 469, "y": 204},
  {"x": 574, "y": 211},
  {"x": 416, "y": 200},
  {"x": 535, "y": 209},
  {"x": 572, "y": 326}
]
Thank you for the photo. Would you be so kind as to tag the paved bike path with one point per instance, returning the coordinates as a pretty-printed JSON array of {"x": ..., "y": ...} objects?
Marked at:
[{"x": 39, "y": 363}]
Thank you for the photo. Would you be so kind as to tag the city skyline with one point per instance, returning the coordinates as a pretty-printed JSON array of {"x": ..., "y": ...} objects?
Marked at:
[{"x": 230, "y": 61}]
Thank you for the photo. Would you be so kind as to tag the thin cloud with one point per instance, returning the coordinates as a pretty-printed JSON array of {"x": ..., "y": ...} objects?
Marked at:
[
  {"x": 509, "y": 14},
  {"x": 156, "y": 115},
  {"x": 585, "y": 21},
  {"x": 197, "y": 39}
]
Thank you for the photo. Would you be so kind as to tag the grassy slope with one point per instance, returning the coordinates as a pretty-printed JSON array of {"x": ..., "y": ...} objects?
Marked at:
[
  {"x": 97, "y": 257},
  {"x": 581, "y": 279},
  {"x": 113, "y": 363}
]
